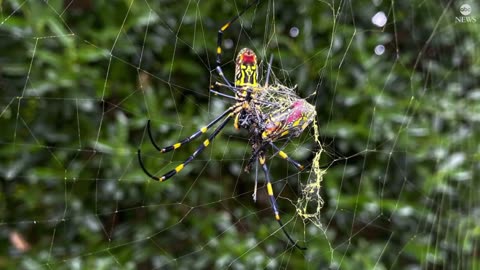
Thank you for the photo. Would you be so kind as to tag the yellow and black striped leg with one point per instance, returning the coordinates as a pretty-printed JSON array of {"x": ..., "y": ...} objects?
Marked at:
[
  {"x": 190, "y": 138},
  {"x": 287, "y": 158},
  {"x": 225, "y": 27},
  {"x": 189, "y": 159},
  {"x": 273, "y": 201}
]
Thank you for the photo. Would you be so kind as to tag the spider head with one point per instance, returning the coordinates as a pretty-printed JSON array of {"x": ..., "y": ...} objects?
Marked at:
[{"x": 246, "y": 68}]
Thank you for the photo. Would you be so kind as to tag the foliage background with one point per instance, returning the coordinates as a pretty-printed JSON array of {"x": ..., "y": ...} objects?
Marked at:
[{"x": 79, "y": 79}]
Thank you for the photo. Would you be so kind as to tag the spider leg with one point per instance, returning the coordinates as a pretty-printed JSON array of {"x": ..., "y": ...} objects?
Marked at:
[
  {"x": 254, "y": 157},
  {"x": 189, "y": 159},
  {"x": 229, "y": 85},
  {"x": 286, "y": 157},
  {"x": 224, "y": 28},
  {"x": 273, "y": 201},
  {"x": 254, "y": 195},
  {"x": 191, "y": 137},
  {"x": 222, "y": 94},
  {"x": 269, "y": 70}
]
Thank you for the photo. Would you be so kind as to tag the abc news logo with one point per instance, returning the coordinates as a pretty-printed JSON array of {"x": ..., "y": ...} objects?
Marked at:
[{"x": 465, "y": 10}]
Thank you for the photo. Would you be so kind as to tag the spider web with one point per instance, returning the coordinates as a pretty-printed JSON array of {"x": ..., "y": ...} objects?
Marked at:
[{"x": 392, "y": 159}]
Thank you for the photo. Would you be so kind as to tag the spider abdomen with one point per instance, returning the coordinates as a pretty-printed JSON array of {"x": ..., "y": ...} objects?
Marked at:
[{"x": 291, "y": 121}]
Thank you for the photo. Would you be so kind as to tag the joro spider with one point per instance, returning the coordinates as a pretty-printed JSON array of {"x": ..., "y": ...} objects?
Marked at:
[{"x": 268, "y": 112}]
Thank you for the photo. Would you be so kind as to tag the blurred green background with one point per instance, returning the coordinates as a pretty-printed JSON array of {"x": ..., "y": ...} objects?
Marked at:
[{"x": 400, "y": 132}]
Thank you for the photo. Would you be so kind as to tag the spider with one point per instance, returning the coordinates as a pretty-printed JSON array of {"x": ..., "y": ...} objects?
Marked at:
[{"x": 267, "y": 112}]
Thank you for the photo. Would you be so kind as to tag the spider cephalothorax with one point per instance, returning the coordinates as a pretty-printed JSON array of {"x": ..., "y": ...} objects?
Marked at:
[
  {"x": 246, "y": 84},
  {"x": 246, "y": 69}
]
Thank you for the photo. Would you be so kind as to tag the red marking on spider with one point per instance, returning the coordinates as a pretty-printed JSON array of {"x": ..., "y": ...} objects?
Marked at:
[
  {"x": 297, "y": 111},
  {"x": 248, "y": 58}
]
